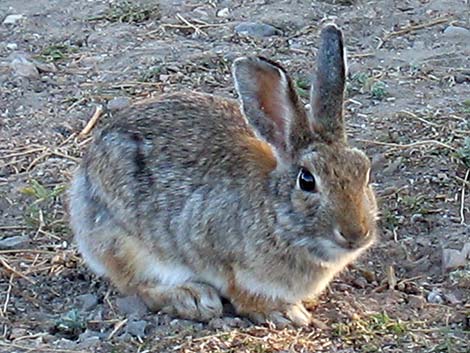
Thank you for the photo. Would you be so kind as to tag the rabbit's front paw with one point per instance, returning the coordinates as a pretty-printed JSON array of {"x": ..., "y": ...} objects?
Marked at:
[
  {"x": 288, "y": 315},
  {"x": 190, "y": 300}
]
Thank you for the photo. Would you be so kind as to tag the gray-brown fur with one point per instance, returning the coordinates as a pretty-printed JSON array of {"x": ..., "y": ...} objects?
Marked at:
[{"x": 187, "y": 198}]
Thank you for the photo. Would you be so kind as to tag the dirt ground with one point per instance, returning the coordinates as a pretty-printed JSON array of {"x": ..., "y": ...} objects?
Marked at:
[{"x": 408, "y": 106}]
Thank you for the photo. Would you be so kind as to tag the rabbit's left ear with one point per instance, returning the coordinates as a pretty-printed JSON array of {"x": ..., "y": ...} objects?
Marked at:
[{"x": 271, "y": 105}]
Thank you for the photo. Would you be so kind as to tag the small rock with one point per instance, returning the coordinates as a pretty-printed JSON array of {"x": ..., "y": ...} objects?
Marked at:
[
  {"x": 18, "y": 332},
  {"x": 393, "y": 166},
  {"x": 137, "y": 328},
  {"x": 90, "y": 333},
  {"x": 24, "y": 68},
  {"x": 416, "y": 301},
  {"x": 131, "y": 305},
  {"x": 417, "y": 217},
  {"x": 12, "y": 19},
  {"x": 89, "y": 342},
  {"x": 435, "y": 297},
  {"x": 119, "y": 103},
  {"x": 452, "y": 259},
  {"x": 87, "y": 301},
  {"x": 360, "y": 282},
  {"x": 14, "y": 242},
  {"x": 90, "y": 338},
  {"x": 223, "y": 12},
  {"x": 461, "y": 78},
  {"x": 45, "y": 67},
  {"x": 457, "y": 32},
  {"x": 254, "y": 29},
  {"x": 451, "y": 298},
  {"x": 12, "y": 46},
  {"x": 201, "y": 11}
]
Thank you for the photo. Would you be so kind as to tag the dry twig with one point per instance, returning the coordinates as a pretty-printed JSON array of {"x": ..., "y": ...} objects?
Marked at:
[
  {"x": 409, "y": 145},
  {"x": 412, "y": 28},
  {"x": 10, "y": 269},
  {"x": 462, "y": 198},
  {"x": 92, "y": 122}
]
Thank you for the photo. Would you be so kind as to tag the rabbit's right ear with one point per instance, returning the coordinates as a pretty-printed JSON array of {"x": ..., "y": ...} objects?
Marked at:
[
  {"x": 271, "y": 105},
  {"x": 327, "y": 92}
]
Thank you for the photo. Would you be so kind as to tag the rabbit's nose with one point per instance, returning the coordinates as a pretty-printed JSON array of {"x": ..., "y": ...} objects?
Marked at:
[{"x": 355, "y": 235}]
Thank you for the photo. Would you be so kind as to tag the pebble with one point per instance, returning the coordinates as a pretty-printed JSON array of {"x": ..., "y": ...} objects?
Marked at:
[
  {"x": 119, "y": 103},
  {"x": 457, "y": 32},
  {"x": 435, "y": 298},
  {"x": 89, "y": 338},
  {"x": 137, "y": 328},
  {"x": 417, "y": 217},
  {"x": 452, "y": 259},
  {"x": 12, "y": 46},
  {"x": 223, "y": 12},
  {"x": 461, "y": 78},
  {"x": 14, "y": 242},
  {"x": 451, "y": 298},
  {"x": 24, "y": 68},
  {"x": 131, "y": 305},
  {"x": 12, "y": 19},
  {"x": 416, "y": 301},
  {"x": 87, "y": 301},
  {"x": 255, "y": 29}
]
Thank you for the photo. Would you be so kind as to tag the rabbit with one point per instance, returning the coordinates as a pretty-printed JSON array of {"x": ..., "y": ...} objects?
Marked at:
[{"x": 189, "y": 198}]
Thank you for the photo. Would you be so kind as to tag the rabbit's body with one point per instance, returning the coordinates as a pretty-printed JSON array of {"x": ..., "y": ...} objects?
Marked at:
[{"x": 182, "y": 201}]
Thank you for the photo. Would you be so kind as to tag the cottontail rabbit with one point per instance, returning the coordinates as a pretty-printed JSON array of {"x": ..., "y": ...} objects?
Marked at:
[{"x": 191, "y": 197}]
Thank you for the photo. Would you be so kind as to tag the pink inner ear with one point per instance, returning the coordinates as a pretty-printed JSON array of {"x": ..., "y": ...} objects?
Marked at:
[{"x": 272, "y": 100}]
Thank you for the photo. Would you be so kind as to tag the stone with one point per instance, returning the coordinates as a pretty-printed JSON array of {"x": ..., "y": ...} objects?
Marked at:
[
  {"x": 462, "y": 78},
  {"x": 131, "y": 305},
  {"x": 87, "y": 301},
  {"x": 12, "y": 46},
  {"x": 223, "y": 12},
  {"x": 14, "y": 242},
  {"x": 452, "y": 259},
  {"x": 434, "y": 297},
  {"x": 12, "y": 19},
  {"x": 24, "y": 68},
  {"x": 456, "y": 32},
  {"x": 416, "y": 301},
  {"x": 118, "y": 103},
  {"x": 254, "y": 29},
  {"x": 451, "y": 298},
  {"x": 137, "y": 328}
]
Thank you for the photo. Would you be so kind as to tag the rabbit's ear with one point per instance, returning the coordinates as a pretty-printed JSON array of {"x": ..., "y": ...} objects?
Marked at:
[
  {"x": 271, "y": 104},
  {"x": 327, "y": 92}
]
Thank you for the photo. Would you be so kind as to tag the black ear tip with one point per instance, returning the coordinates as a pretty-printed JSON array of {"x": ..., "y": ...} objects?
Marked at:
[{"x": 331, "y": 29}]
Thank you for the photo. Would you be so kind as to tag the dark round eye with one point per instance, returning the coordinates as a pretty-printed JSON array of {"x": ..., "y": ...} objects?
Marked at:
[{"x": 306, "y": 180}]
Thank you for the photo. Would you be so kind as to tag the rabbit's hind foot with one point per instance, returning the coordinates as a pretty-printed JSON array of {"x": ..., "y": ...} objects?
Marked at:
[{"x": 189, "y": 300}]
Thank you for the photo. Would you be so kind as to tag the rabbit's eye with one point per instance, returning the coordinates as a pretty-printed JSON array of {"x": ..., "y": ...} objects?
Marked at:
[{"x": 306, "y": 180}]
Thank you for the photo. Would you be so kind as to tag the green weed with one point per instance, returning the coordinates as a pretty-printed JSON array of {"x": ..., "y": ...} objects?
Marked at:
[
  {"x": 463, "y": 153},
  {"x": 362, "y": 83},
  {"x": 129, "y": 12},
  {"x": 56, "y": 52},
  {"x": 71, "y": 324},
  {"x": 42, "y": 200}
]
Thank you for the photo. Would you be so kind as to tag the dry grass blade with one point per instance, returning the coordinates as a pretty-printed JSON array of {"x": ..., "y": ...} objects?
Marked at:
[
  {"x": 117, "y": 327},
  {"x": 412, "y": 28},
  {"x": 18, "y": 154},
  {"x": 92, "y": 122},
  {"x": 409, "y": 145},
  {"x": 10, "y": 269},
  {"x": 462, "y": 198}
]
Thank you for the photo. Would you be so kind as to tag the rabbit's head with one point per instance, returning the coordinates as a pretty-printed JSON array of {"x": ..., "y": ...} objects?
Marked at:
[{"x": 322, "y": 181}]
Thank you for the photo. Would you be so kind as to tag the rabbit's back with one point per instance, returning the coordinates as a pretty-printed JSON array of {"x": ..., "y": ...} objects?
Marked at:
[{"x": 149, "y": 163}]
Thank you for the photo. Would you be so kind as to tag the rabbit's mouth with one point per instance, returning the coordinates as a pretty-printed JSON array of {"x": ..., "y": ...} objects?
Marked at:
[{"x": 353, "y": 243}]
